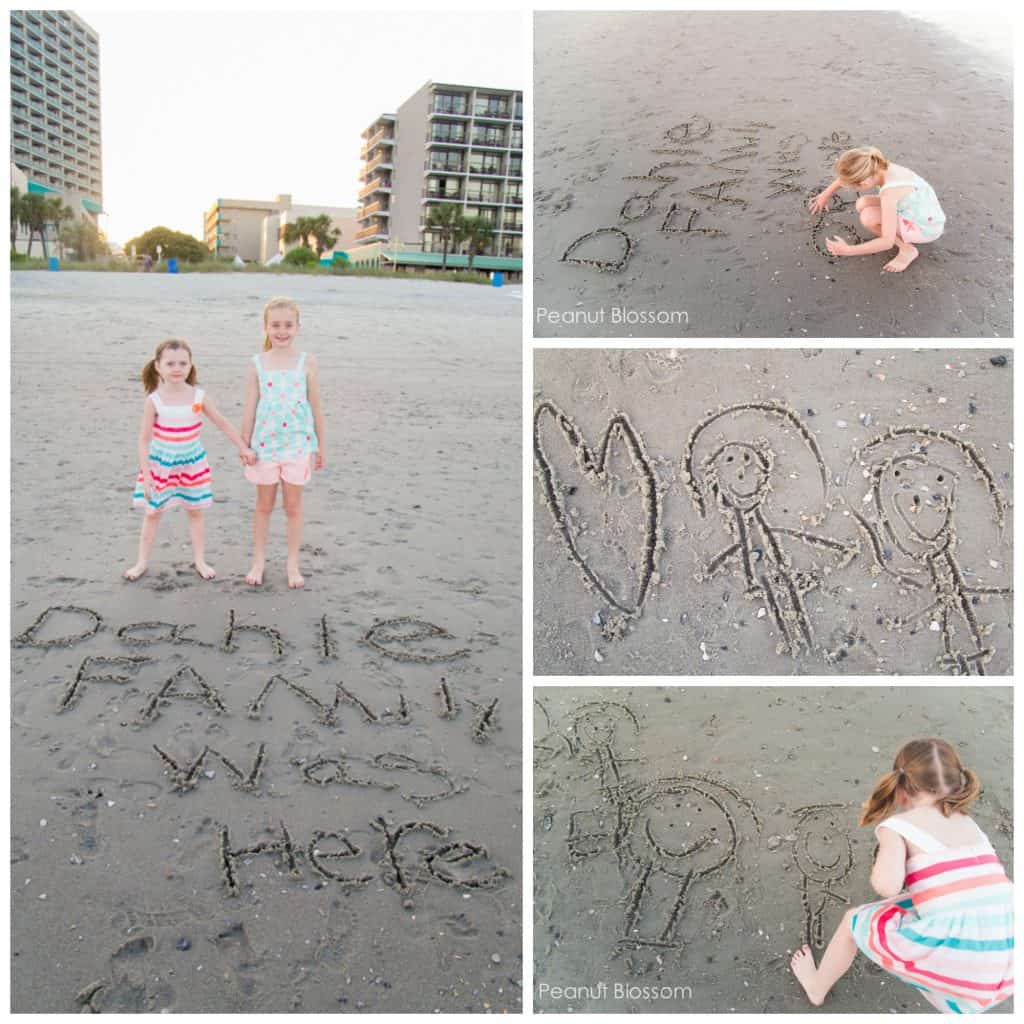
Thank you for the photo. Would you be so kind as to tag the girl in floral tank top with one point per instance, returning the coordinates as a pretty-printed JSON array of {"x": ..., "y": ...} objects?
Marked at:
[{"x": 283, "y": 423}]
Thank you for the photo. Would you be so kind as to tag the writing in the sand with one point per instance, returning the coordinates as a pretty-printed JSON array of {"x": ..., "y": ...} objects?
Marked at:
[{"x": 413, "y": 852}]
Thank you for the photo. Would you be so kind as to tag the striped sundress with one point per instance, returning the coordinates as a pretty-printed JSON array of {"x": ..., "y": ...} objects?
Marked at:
[
  {"x": 951, "y": 933},
  {"x": 177, "y": 459}
]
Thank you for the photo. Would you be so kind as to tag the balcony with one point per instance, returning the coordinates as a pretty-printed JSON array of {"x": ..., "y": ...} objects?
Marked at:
[
  {"x": 512, "y": 227},
  {"x": 462, "y": 114},
  {"x": 381, "y": 160},
  {"x": 373, "y": 232},
  {"x": 439, "y": 168},
  {"x": 481, "y": 198},
  {"x": 374, "y": 209},
  {"x": 493, "y": 110},
  {"x": 435, "y": 195},
  {"x": 436, "y": 142},
  {"x": 375, "y": 185},
  {"x": 378, "y": 137}
]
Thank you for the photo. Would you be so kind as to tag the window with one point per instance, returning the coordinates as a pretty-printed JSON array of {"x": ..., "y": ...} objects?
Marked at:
[
  {"x": 515, "y": 167},
  {"x": 439, "y": 187},
  {"x": 491, "y": 106},
  {"x": 447, "y": 131},
  {"x": 445, "y": 160},
  {"x": 482, "y": 192},
  {"x": 488, "y": 135},
  {"x": 449, "y": 103},
  {"x": 485, "y": 163}
]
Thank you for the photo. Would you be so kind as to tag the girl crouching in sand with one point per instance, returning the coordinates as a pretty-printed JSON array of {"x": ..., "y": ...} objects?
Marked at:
[
  {"x": 284, "y": 424},
  {"x": 905, "y": 211},
  {"x": 173, "y": 471},
  {"x": 945, "y": 923}
]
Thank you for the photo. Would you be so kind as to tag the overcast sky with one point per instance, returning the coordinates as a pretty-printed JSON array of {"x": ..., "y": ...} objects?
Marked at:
[{"x": 247, "y": 105}]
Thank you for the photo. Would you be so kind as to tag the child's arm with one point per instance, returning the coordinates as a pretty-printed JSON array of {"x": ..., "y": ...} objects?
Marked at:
[
  {"x": 313, "y": 392},
  {"x": 886, "y": 240},
  {"x": 890, "y": 870},
  {"x": 252, "y": 397},
  {"x": 215, "y": 417},
  {"x": 145, "y": 436},
  {"x": 818, "y": 203}
]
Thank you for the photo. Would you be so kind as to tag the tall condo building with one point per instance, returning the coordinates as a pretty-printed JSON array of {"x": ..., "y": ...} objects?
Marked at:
[
  {"x": 55, "y": 108},
  {"x": 458, "y": 144}
]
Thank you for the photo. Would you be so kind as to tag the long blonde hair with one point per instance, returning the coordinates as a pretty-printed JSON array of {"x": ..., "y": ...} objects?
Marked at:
[
  {"x": 923, "y": 766},
  {"x": 860, "y": 164},
  {"x": 280, "y": 302},
  {"x": 150, "y": 375}
]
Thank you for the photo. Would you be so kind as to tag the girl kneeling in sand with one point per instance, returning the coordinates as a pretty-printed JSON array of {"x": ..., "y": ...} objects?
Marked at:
[
  {"x": 173, "y": 471},
  {"x": 284, "y": 424},
  {"x": 905, "y": 211},
  {"x": 945, "y": 924}
]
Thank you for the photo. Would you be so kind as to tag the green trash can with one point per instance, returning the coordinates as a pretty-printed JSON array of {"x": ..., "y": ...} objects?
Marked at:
[
  {"x": 497, "y": 278},
  {"x": 54, "y": 263}
]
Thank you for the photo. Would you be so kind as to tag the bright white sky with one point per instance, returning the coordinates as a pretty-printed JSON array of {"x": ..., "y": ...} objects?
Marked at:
[{"x": 251, "y": 104}]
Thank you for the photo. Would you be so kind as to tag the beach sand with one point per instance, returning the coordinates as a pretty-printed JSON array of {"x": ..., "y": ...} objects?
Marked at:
[
  {"x": 764, "y": 103},
  {"x": 389, "y": 878},
  {"x": 640, "y": 569},
  {"x": 777, "y": 776}
]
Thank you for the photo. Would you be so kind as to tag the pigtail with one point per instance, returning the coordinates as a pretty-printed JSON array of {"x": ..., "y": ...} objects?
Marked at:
[
  {"x": 192, "y": 378},
  {"x": 961, "y": 798},
  {"x": 881, "y": 803},
  {"x": 150, "y": 378},
  {"x": 267, "y": 346}
]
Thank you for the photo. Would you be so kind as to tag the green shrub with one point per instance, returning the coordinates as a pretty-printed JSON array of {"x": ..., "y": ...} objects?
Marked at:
[{"x": 300, "y": 256}]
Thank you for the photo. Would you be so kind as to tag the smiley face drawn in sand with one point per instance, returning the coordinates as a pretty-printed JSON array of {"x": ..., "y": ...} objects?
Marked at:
[
  {"x": 628, "y": 597},
  {"x": 823, "y": 858},
  {"x": 911, "y": 524},
  {"x": 738, "y": 475}
]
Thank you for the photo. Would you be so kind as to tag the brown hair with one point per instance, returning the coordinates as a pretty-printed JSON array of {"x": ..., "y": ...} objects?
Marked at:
[
  {"x": 150, "y": 376},
  {"x": 277, "y": 303},
  {"x": 923, "y": 766},
  {"x": 860, "y": 164}
]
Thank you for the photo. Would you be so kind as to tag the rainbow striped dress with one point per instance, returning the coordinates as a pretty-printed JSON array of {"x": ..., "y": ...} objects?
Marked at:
[
  {"x": 951, "y": 933},
  {"x": 177, "y": 459}
]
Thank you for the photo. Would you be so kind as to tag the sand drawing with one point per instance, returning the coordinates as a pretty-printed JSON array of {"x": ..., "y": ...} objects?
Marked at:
[
  {"x": 593, "y": 465},
  {"x": 823, "y": 857},
  {"x": 819, "y": 232},
  {"x": 87, "y": 674},
  {"x": 667, "y": 228},
  {"x": 204, "y": 694},
  {"x": 548, "y": 742},
  {"x": 30, "y": 638},
  {"x": 484, "y": 720},
  {"x": 667, "y": 834},
  {"x": 138, "y": 634},
  {"x": 737, "y": 470},
  {"x": 186, "y": 776},
  {"x": 837, "y": 143},
  {"x": 392, "y": 637},
  {"x": 909, "y": 514},
  {"x": 229, "y": 645},
  {"x": 336, "y": 770},
  {"x": 610, "y": 265},
  {"x": 327, "y": 645},
  {"x": 449, "y": 705},
  {"x": 781, "y": 182}
]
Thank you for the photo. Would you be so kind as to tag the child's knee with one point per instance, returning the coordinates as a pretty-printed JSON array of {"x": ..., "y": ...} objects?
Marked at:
[
  {"x": 194, "y": 514},
  {"x": 862, "y": 203},
  {"x": 293, "y": 506},
  {"x": 871, "y": 217},
  {"x": 848, "y": 918}
]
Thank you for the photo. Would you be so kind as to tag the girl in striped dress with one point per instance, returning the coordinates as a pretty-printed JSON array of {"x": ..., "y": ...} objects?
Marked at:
[
  {"x": 945, "y": 923},
  {"x": 173, "y": 471}
]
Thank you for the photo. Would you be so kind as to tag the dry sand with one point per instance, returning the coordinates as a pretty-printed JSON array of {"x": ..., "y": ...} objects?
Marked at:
[
  {"x": 631, "y": 578},
  {"x": 764, "y": 101},
  {"x": 754, "y": 764},
  {"x": 118, "y": 877}
]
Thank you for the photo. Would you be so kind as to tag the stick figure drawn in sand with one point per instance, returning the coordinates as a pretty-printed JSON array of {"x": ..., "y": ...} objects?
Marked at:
[
  {"x": 667, "y": 834},
  {"x": 738, "y": 473},
  {"x": 912, "y": 503},
  {"x": 823, "y": 855}
]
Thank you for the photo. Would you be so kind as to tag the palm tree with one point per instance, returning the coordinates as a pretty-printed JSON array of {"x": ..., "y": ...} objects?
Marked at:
[
  {"x": 319, "y": 228},
  {"x": 478, "y": 233},
  {"x": 59, "y": 215},
  {"x": 447, "y": 220},
  {"x": 34, "y": 214},
  {"x": 15, "y": 215}
]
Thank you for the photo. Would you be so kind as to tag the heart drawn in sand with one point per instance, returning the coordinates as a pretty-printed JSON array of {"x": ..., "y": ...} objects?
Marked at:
[
  {"x": 602, "y": 264},
  {"x": 593, "y": 466}
]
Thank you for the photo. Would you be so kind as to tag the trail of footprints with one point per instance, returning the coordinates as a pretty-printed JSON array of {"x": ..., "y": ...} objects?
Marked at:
[
  {"x": 729, "y": 467},
  {"x": 689, "y": 143}
]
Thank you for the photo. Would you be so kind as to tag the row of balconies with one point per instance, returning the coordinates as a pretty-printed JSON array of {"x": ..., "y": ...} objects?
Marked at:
[
  {"x": 457, "y": 196},
  {"x": 382, "y": 135},
  {"x": 488, "y": 170},
  {"x": 500, "y": 109}
]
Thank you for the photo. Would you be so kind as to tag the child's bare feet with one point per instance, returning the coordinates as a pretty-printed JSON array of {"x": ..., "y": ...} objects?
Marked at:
[
  {"x": 907, "y": 254},
  {"x": 133, "y": 572},
  {"x": 806, "y": 973},
  {"x": 255, "y": 577},
  {"x": 204, "y": 569},
  {"x": 295, "y": 579}
]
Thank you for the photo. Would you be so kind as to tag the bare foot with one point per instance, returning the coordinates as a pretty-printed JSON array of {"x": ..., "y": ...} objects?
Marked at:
[
  {"x": 255, "y": 577},
  {"x": 132, "y": 573},
  {"x": 204, "y": 569},
  {"x": 806, "y": 973},
  {"x": 295, "y": 579},
  {"x": 907, "y": 254}
]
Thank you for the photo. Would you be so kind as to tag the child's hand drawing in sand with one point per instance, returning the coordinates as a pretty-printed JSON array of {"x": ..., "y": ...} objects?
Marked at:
[
  {"x": 284, "y": 421},
  {"x": 173, "y": 471},
  {"x": 945, "y": 920},
  {"x": 905, "y": 210}
]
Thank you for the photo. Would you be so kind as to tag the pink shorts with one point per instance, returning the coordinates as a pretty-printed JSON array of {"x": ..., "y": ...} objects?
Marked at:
[{"x": 289, "y": 471}]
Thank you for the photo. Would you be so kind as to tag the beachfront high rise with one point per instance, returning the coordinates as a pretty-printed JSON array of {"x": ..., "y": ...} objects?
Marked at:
[
  {"x": 458, "y": 144},
  {"x": 55, "y": 108}
]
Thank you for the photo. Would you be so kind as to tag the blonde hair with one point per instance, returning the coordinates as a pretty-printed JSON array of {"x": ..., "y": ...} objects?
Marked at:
[
  {"x": 860, "y": 164},
  {"x": 150, "y": 374},
  {"x": 280, "y": 302},
  {"x": 923, "y": 766}
]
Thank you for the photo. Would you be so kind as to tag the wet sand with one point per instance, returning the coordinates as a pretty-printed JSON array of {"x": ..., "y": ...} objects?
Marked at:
[
  {"x": 762, "y": 103},
  {"x": 644, "y": 564},
  {"x": 186, "y": 836},
  {"x": 776, "y": 776}
]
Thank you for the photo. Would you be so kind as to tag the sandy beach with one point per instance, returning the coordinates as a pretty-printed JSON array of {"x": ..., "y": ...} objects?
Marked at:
[
  {"x": 231, "y": 800},
  {"x": 732, "y": 512},
  {"x": 690, "y": 143},
  {"x": 777, "y": 777}
]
